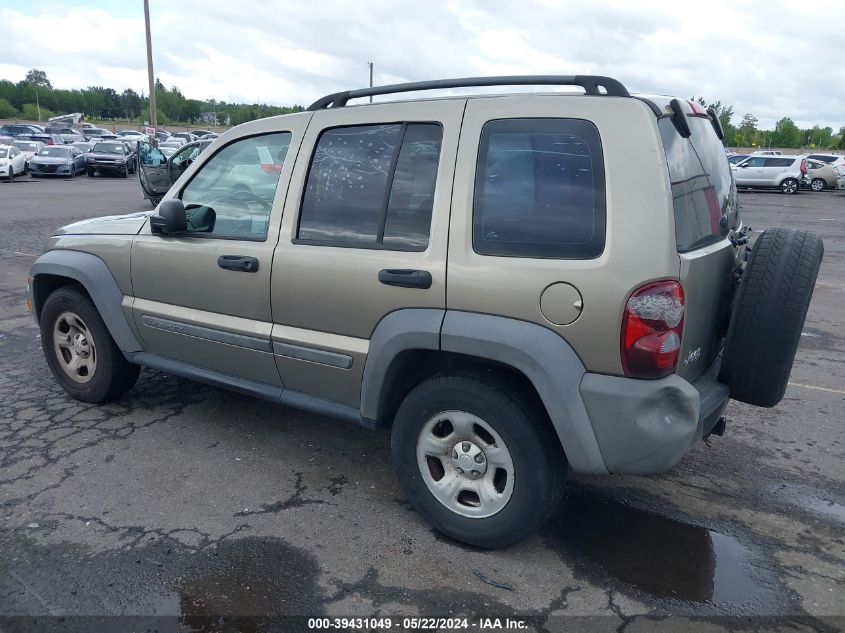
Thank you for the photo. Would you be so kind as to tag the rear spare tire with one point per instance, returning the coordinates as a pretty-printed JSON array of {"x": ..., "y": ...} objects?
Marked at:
[{"x": 771, "y": 304}]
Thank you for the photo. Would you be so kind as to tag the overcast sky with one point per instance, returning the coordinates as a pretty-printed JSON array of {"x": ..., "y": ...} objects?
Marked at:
[{"x": 769, "y": 58}]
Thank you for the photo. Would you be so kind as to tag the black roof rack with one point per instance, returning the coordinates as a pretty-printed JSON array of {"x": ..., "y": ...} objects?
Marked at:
[{"x": 590, "y": 84}]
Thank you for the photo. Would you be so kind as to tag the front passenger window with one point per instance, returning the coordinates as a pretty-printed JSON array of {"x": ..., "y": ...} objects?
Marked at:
[{"x": 238, "y": 184}]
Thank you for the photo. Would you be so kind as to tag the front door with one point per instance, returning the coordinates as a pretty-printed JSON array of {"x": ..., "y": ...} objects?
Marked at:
[
  {"x": 364, "y": 234},
  {"x": 750, "y": 172},
  {"x": 152, "y": 170},
  {"x": 203, "y": 297}
]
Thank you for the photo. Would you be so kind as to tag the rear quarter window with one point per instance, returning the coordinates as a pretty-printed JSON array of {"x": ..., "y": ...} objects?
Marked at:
[
  {"x": 539, "y": 189},
  {"x": 703, "y": 190}
]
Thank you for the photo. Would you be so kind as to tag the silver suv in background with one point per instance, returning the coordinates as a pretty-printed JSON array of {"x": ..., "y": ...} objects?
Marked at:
[
  {"x": 770, "y": 172},
  {"x": 517, "y": 285}
]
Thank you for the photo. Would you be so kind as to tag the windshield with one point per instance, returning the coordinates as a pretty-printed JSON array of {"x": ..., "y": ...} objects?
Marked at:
[
  {"x": 26, "y": 147},
  {"x": 60, "y": 152},
  {"x": 107, "y": 148}
]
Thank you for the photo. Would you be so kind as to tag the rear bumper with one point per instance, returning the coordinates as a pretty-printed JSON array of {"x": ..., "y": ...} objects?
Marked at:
[{"x": 646, "y": 426}]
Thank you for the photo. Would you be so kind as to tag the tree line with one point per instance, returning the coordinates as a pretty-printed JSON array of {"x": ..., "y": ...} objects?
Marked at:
[
  {"x": 25, "y": 98},
  {"x": 784, "y": 134}
]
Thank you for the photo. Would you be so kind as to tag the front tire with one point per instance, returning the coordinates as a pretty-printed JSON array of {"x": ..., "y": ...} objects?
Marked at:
[
  {"x": 477, "y": 458},
  {"x": 80, "y": 352},
  {"x": 789, "y": 186},
  {"x": 90, "y": 172},
  {"x": 818, "y": 184}
]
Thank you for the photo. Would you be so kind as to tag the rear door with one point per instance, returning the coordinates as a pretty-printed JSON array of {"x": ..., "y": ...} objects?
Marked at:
[
  {"x": 369, "y": 194},
  {"x": 706, "y": 210},
  {"x": 775, "y": 169}
]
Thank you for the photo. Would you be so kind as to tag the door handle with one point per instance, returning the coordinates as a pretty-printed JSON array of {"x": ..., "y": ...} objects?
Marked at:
[
  {"x": 405, "y": 278},
  {"x": 239, "y": 263}
]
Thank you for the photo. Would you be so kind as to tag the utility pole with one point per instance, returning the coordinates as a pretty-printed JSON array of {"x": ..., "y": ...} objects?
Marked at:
[
  {"x": 150, "y": 65},
  {"x": 370, "y": 64},
  {"x": 38, "y": 105}
]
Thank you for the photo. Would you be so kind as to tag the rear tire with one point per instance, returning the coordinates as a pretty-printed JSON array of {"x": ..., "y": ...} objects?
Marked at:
[
  {"x": 818, "y": 184},
  {"x": 80, "y": 352},
  {"x": 496, "y": 427},
  {"x": 789, "y": 186},
  {"x": 771, "y": 305}
]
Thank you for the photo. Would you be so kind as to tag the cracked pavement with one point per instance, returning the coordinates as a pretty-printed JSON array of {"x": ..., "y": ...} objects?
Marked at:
[{"x": 181, "y": 503}]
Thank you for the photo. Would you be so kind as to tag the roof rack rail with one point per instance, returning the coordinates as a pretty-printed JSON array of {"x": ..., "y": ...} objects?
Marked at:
[{"x": 590, "y": 83}]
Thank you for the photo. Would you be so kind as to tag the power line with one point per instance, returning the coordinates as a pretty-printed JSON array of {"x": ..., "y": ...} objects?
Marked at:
[{"x": 53, "y": 10}]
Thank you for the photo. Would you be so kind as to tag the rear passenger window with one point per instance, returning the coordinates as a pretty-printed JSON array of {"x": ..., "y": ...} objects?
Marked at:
[
  {"x": 372, "y": 186},
  {"x": 779, "y": 162},
  {"x": 539, "y": 189}
]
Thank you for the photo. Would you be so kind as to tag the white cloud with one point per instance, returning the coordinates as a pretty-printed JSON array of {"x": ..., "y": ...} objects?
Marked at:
[{"x": 771, "y": 58}]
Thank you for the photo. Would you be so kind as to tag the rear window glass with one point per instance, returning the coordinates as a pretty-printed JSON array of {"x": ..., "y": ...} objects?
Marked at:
[
  {"x": 703, "y": 191},
  {"x": 539, "y": 189}
]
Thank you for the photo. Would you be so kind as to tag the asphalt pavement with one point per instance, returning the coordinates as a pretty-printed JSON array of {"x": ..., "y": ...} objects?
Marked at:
[{"x": 182, "y": 507}]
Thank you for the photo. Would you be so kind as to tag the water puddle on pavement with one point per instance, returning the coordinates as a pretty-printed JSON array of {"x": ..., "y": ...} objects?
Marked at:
[{"x": 654, "y": 554}]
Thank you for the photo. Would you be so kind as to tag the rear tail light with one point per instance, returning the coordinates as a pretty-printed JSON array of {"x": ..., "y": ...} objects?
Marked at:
[
  {"x": 652, "y": 325},
  {"x": 803, "y": 165}
]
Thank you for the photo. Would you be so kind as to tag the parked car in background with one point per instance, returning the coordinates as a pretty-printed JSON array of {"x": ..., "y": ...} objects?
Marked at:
[
  {"x": 83, "y": 146},
  {"x": 111, "y": 157},
  {"x": 47, "y": 139},
  {"x": 12, "y": 162},
  {"x": 68, "y": 134},
  {"x": 768, "y": 172},
  {"x": 57, "y": 160},
  {"x": 187, "y": 136},
  {"x": 162, "y": 135},
  {"x": 200, "y": 133},
  {"x": 737, "y": 158},
  {"x": 16, "y": 129},
  {"x": 96, "y": 133},
  {"x": 840, "y": 176},
  {"x": 157, "y": 171},
  {"x": 833, "y": 159},
  {"x": 820, "y": 175},
  {"x": 767, "y": 152},
  {"x": 173, "y": 142},
  {"x": 132, "y": 136},
  {"x": 29, "y": 148}
]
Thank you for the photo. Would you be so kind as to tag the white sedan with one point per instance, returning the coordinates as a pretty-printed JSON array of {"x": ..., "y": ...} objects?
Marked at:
[
  {"x": 12, "y": 162},
  {"x": 29, "y": 148}
]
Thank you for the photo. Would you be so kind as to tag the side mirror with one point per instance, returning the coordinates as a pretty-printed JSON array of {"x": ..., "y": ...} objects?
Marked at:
[
  {"x": 743, "y": 165},
  {"x": 170, "y": 218}
]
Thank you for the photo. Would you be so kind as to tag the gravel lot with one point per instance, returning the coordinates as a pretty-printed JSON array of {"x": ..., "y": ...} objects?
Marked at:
[{"x": 189, "y": 503}]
